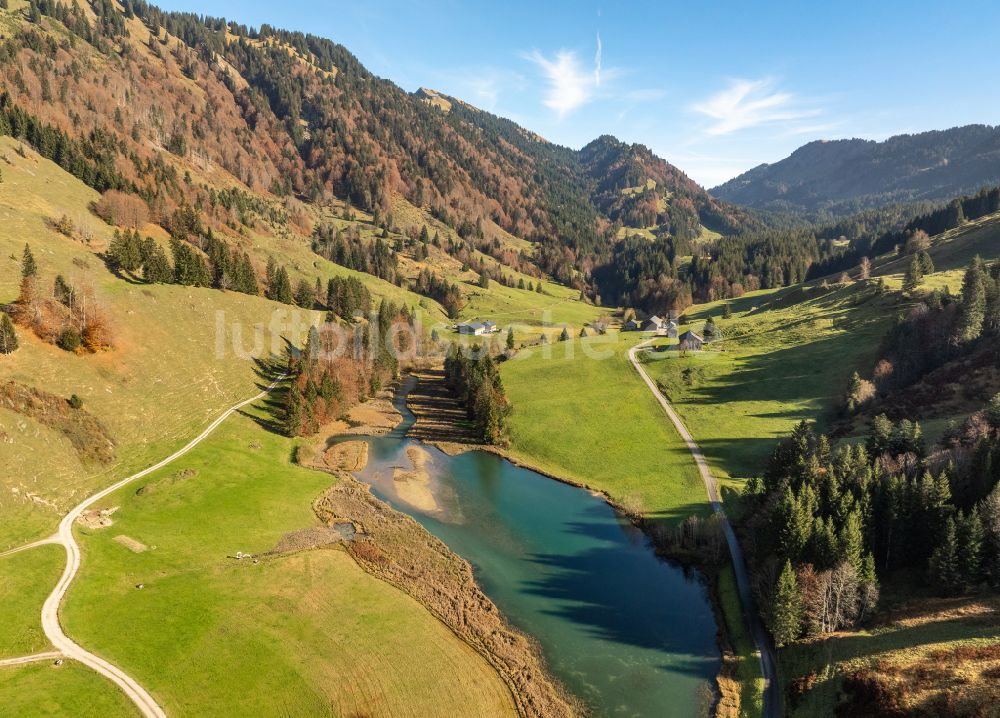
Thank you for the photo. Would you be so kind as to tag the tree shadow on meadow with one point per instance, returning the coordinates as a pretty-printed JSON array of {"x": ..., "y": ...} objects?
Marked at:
[
  {"x": 269, "y": 410},
  {"x": 811, "y": 655}
]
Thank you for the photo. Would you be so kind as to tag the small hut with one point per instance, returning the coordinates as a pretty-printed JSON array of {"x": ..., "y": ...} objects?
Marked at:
[{"x": 689, "y": 341}]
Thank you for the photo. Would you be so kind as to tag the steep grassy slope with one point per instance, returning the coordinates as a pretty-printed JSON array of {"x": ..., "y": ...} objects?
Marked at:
[
  {"x": 951, "y": 253},
  {"x": 158, "y": 387}
]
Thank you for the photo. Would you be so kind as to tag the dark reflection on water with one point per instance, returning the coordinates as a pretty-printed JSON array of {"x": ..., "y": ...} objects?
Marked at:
[{"x": 629, "y": 633}]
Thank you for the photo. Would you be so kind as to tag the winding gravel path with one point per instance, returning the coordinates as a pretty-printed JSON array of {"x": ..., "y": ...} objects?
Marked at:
[
  {"x": 50, "y": 609},
  {"x": 768, "y": 658}
]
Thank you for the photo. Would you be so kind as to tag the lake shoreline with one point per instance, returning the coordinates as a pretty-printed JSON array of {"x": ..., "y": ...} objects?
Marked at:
[
  {"x": 393, "y": 547},
  {"x": 428, "y": 395}
]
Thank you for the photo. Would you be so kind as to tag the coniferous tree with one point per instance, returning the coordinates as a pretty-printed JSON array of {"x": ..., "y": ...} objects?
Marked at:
[
  {"x": 62, "y": 292},
  {"x": 294, "y": 410},
  {"x": 851, "y": 541},
  {"x": 970, "y": 549},
  {"x": 8, "y": 335},
  {"x": 925, "y": 262},
  {"x": 868, "y": 590},
  {"x": 786, "y": 620},
  {"x": 564, "y": 335},
  {"x": 29, "y": 268},
  {"x": 510, "y": 338},
  {"x": 989, "y": 510},
  {"x": 280, "y": 288},
  {"x": 973, "y": 302},
  {"x": 943, "y": 566},
  {"x": 912, "y": 277},
  {"x": 304, "y": 295},
  {"x": 156, "y": 267}
]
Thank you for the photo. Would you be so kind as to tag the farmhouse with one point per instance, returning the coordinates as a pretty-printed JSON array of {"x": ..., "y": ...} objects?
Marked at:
[
  {"x": 653, "y": 324},
  {"x": 478, "y": 328},
  {"x": 689, "y": 341},
  {"x": 668, "y": 329},
  {"x": 632, "y": 325}
]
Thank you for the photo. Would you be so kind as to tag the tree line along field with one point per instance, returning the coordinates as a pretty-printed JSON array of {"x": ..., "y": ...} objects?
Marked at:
[{"x": 306, "y": 633}]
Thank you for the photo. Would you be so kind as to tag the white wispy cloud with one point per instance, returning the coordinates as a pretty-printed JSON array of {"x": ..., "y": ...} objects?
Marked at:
[
  {"x": 597, "y": 62},
  {"x": 570, "y": 85},
  {"x": 750, "y": 103}
]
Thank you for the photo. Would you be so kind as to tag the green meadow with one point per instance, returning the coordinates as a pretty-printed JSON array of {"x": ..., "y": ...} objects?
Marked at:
[
  {"x": 36, "y": 690},
  {"x": 26, "y": 579},
  {"x": 593, "y": 421},
  {"x": 786, "y": 355}
]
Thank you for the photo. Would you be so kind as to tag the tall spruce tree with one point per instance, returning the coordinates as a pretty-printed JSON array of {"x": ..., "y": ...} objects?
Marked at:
[
  {"x": 786, "y": 620},
  {"x": 29, "y": 268},
  {"x": 989, "y": 510},
  {"x": 8, "y": 335},
  {"x": 970, "y": 550},
  {"x": 911, "y": 279},
  {"x": 973, "y": 302},
  {"x": 943, "y": 567}
]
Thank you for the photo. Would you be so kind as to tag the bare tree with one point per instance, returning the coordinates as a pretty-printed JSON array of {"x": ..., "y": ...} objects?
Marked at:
[
  {"x": 843, "y": 596},
  {"x": 865, "y": 269}
]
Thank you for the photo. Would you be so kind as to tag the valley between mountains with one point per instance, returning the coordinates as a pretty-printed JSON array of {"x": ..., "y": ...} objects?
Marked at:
[{"x": 323, "y": 398}]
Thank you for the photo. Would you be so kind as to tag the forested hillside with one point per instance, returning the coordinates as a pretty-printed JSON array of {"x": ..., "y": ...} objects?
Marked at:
[
  {"x": 202, "y": 126},
  {"x": 844, "y": 176}
]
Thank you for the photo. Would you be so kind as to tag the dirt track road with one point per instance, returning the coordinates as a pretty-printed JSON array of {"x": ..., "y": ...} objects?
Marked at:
[
  {"x": 768, "y": 658},
  {"x": 50, "y": 609}
]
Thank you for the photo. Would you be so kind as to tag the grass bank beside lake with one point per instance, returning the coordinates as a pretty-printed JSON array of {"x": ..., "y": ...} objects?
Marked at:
[{"x": 593, "y": 422}]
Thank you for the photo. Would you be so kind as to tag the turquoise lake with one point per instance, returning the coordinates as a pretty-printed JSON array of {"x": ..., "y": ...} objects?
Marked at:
[{"x": 629, "y": 633}]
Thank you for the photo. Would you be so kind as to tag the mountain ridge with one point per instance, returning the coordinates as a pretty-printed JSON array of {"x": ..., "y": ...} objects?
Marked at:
[{"x": 848, "y": 175}]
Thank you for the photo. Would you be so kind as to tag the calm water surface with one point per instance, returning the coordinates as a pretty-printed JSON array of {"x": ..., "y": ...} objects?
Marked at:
[{"x": 629, "y": 633}]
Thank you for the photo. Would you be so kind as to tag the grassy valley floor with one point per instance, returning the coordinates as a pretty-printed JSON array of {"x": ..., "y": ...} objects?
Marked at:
[{"x": 581, "y": 413}]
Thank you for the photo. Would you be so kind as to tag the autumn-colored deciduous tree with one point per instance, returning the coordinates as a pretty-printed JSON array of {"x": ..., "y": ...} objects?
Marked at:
[{"x": 122, "y": 209}]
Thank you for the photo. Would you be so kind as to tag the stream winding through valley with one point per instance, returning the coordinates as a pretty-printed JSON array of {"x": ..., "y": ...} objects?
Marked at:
[{"x": 629, "y": 633}]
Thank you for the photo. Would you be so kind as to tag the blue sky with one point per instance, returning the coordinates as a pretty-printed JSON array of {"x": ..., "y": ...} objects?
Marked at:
[{"x": 715, "y": 88}]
